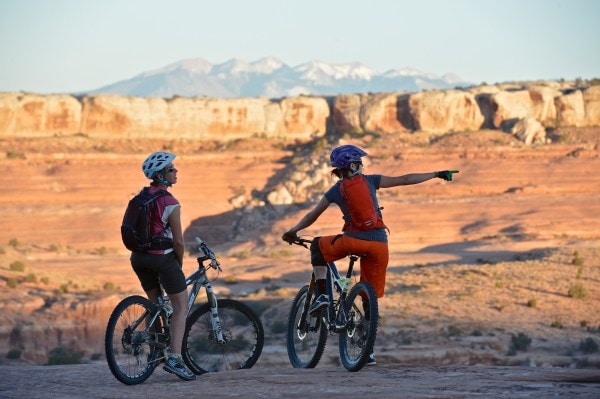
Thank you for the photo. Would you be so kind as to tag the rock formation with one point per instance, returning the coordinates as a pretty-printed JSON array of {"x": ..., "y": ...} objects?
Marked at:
[{"x": 304, "y": 117}]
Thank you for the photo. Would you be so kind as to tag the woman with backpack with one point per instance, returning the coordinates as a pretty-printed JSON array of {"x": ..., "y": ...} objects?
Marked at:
[
  {"x": 364, "y": 231},
  {"x": 161, "y": 262}
]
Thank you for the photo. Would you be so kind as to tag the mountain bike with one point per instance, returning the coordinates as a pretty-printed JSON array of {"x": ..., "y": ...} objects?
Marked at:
[
  {"x": 352, "y": 313},
  {"x": 222, "y": 334}
]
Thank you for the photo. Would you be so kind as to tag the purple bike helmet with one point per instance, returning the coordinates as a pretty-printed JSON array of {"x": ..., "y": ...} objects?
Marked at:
[{"x": 343, "y": 156}]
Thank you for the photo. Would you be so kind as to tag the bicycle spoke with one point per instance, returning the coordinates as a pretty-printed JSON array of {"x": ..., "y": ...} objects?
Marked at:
[
  {"x": 242, "y": 333},
  {"x": 127, "y": 343},
  {"x": 305, "y": 346}
]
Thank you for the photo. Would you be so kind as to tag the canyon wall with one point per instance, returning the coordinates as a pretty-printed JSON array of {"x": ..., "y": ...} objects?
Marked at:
[{"x": 549, "y": 105}]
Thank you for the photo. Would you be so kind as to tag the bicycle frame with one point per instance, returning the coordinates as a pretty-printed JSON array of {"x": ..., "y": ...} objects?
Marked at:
[
  {"x": 337, "y": 319},
  {"x": 197, "y": 280}
]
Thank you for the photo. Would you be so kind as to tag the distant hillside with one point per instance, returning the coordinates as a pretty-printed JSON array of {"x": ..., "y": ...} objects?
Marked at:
[{"x": 271, "y": 78}]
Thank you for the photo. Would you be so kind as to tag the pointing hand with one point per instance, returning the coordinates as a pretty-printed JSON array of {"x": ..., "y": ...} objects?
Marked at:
[{"x": 445, "y": 174}]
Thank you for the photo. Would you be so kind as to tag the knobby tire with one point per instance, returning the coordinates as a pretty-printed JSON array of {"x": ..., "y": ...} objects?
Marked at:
[
  {"x": 356, "y": 343},
  {"x": 242, "y": 330},
  {"x": 304, "y": 348},
  {"x": 128, "y": 350}
]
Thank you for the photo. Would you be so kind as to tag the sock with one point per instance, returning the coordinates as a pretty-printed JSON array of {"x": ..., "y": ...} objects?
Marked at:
[{"x": 321, "y": 286}]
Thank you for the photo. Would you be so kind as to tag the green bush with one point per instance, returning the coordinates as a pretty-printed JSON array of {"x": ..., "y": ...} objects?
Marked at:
[
  {"x": 588, "y": 345},
  {"x": 520, "y": 342},
  {"x": 17, "y": 266},
  {"x": 60, "y": 355},
  {"x": 15, "y": 155},
  {"x": 14, "y": 354},
  {"x": 577, "y": 291},
  {"x": 12, "y": 282},
  {"x": 577, "y": 260},
  {"x": 278, "y": 327},
  {"x": 109, "y": 286}
]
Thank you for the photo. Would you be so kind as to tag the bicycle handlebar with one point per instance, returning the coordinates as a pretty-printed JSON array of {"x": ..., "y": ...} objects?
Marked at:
[
  {"x": 207, "y": 253},
  {"x": 299, "y": 241}
]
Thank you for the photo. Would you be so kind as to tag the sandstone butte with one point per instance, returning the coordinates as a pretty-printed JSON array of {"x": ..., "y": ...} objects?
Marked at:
[{"x": 548, "y": 104}]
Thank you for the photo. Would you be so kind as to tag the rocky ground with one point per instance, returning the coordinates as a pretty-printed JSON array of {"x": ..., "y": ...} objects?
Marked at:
[{"x": 508, "y": 252}]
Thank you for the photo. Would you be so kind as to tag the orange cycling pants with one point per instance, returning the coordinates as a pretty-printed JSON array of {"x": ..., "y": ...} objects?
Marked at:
[{"x": 373, "y": 264}]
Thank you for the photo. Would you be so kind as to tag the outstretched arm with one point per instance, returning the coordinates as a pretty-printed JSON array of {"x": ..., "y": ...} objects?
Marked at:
[
  {"x": 414, "y": 178},
  {"x": 405, "y": 180}
]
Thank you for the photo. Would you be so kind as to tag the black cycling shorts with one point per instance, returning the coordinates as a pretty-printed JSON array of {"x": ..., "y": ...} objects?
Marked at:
[{"x": 156, "y": 270}]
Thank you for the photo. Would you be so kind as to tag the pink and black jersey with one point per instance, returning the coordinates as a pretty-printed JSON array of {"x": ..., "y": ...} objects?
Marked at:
[{"x": 160, "y": 219}]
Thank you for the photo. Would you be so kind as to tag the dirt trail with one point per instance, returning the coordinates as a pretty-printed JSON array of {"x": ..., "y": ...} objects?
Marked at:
[{"x": 398, "y": 382}]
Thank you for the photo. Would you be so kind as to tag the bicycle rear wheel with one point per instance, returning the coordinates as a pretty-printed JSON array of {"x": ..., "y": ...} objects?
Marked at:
[
  {"x": 305, "y": 341},
  {"x": 356, "y": 343},
  {"x": 243, "y": 333},
  {"x": 127, "y": 343}
]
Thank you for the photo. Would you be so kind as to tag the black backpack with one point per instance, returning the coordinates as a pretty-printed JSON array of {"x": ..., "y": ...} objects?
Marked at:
[{"x": 136, "y": 230}]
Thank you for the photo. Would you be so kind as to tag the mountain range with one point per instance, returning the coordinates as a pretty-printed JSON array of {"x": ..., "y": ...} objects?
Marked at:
[{"x": 271, "y": 78}]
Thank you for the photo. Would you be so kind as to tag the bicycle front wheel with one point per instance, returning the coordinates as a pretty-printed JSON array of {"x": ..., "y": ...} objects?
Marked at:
[
  {"x": 306, "y": 338},
  {"x": 242, "y": 332},
  {"x": 127, "y": 343},
  {"x": 356, "y": 343}
]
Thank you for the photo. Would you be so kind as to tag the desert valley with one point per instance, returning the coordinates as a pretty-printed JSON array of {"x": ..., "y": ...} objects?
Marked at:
[{"x": 499, "y": 267}]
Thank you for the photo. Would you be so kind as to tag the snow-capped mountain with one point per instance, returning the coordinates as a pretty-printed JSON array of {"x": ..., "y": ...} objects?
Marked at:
[{"x": 270, "y": 77}]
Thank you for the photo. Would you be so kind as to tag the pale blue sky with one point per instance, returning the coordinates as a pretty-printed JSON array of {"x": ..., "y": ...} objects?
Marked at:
[{"x": 55, "y": 46}]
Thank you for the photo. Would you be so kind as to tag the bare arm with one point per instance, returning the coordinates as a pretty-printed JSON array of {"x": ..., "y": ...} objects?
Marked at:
[
  {"x": 311, "y": 216},
  {"x": 405, "y": 180},
  {"x": 175, "y": 223}
]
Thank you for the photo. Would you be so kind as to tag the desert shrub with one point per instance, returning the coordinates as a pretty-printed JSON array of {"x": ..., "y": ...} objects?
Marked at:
[
  {"x": 532, "y": 303},
  {"x": 229, "y": 280},
  {"x": 109, "y": 286},
  {"x": 12, "y": 282},
  {"x": 17, "y": 266},
  {"x": 103, "y": 148},
  {"x": 278, "y": 327},
  {"x": 520, "y": 342},
  {"x": 2, "y": 250},
  {"x": 15, "y": 155},
  {"x": 245, "y": 254},
  {"x": 577, "y": 260},
  {"x": 451, "y": 331},
  {"x": 266, "y": 279},
  {"x": 14, "y": 353},
  {"x": 14, "y": 242},
  {"x": 556, "y": 324},
  {"x": 278, "y": 254},
  {"x": 45, "y": 280},
  {"x": 259, "y": 307},
  {"x": 60, "y": 355},
  {"x": 588, "y": 345},
  {"x": 577, "y": 291},
  {"x": 31, "y": 278}
]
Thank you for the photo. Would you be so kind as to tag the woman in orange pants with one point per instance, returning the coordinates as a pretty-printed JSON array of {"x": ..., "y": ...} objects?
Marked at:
[{"x": 364, "y": 231}]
